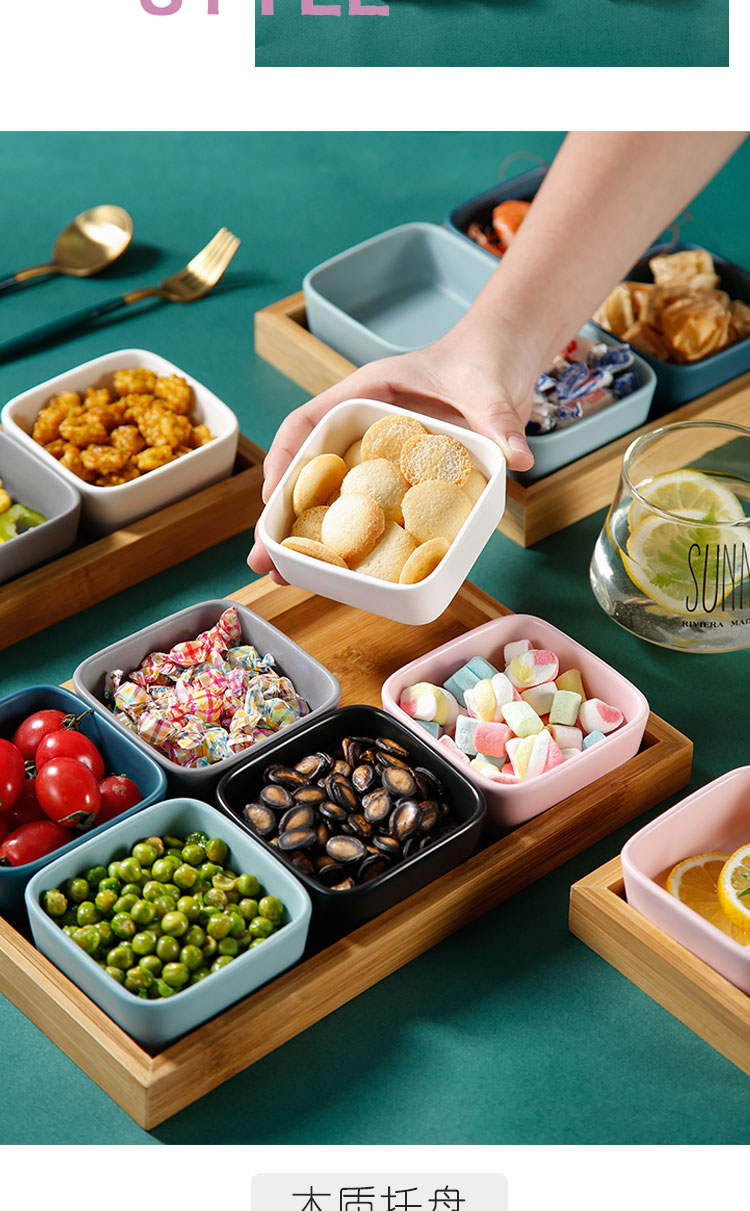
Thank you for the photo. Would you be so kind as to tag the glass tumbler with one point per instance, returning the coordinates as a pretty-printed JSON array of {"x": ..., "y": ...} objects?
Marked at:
[{"x": 672, "y": 563}]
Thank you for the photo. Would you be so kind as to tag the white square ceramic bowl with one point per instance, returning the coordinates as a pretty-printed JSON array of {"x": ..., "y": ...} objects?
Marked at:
[
  {"x": 412, "y": 604},
  {"x": 715, "y": 818},
  {"x": 107, "y": 509},
  {"x": 155, "y": 1023},
  {"x": 511, "y": 805}
]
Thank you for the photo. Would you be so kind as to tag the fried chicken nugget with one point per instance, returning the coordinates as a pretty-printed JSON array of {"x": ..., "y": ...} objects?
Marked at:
[
  {"x": 128, "y": 472},
  {"x": 160, "y": 427},
  {"x": 84, "y": 429},
  {"x": 176, "y": 393},
  {"x": 71, "y": 458},
  {"x": 128, "y": 438},
  {"x": 134, "y": 382},
  {"x": 153, "y": 457},
  {"x": 200, "y": 435},
  {"x": 105, "y": 460},
  {"x": 56, "y": 448}
]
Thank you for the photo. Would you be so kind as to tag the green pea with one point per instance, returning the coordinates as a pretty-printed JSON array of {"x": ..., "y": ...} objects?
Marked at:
[
  {"x": 209, "y": 948},
  {"x": 195, "y": 936},
  {"x": 94, "y": 875},
  {"x": 77, "y": 890},
  {"x": 199, "y": 974},
  {"x": 164, "y": 905},
  {"x": 150, "y": 963},
  {"x": 143, "y": 912},
  {"x": 221, "y": 962},
  {"x": 219, "y": 925},
  {"x": 123, "y": 926},
  {"x": 70, "y": 929},
  {"x": 121, "y": 956},
  {"x": 256, "y": 942},
  {"x": 106, "y": 935},
  {"x": 152, "y": 889},
  {"x": 87, "y": 937},
  {"x": 248, "y": 907},
  {"x": 238, "y": 924},
  {"x": 87, "y": 913},
  {"x": 216, "y": 898},
  {"x": 145, "y": 853},
  {"x": 248, "y": 885},
  {"x": 260, "y": 927},
  {"x": 194, "y": 854},
  {"x": 225, "y": 880},
  {"x": 191, "y": 956},
  {"x": 190, "y": 906},
  {"x": 208, "y": 870},
  {"x": 216, "y": 850},
  {"x": 110, "y": 885},
  {"x": 113, "y": 871},
  {"x": 271, "y": 907},
  {"x": 124, "y": 903},
  {"x": 167, "y": 948},
  {"x": 163, "y": 989},
  {"x": 161, "y": 870},
  {"x": 229, "y": 946},
  {"x": 143, "y": 943},
  {"x": 175, "y": 974},
  {"x": 54, "y": 902},
  {"x": 68, "y": 917},
  {"x": 185, "y": 877},
  {"x": 175, "y": 923},
  {"x": 138, "y": 980},
  {"x": 172, "y": 842},
  {"x": 116, "y": 973},
  {"x": 196, "y": 837},
  {"x": 244, "y": 939},
  {"x": 132, "y": 889},
  {"x": 106, "y": 900}
]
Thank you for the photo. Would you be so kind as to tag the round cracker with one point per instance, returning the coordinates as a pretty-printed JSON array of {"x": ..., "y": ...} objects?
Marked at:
[
  {"x": 388, "y": 556},
  {"x": 381, "y": 480},
  {"x": 435, "y": 509},
  {"x": 308, "y": 524},
  {"x": 317, "y": 482},
  {"x": 386, "y": 436},
  {"x": 424, "y": 560},
  {"x": 352, "y": 525},
  {"x": 435, "y": 456},
  {"x": 353, "y": 455},
  {"x": 317, "y": 550},
  {"x": 474, "y": 485}
]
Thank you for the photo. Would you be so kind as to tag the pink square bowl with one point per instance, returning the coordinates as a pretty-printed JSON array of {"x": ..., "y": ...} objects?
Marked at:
[
  {"x": 509, "y": 806},
  {"x": 714, "y": 818}
]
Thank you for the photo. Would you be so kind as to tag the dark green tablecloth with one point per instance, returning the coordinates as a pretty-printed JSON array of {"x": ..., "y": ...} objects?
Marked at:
[
  {"x": 500, "y": 33},
  {"x": 511, "y": 1031}
]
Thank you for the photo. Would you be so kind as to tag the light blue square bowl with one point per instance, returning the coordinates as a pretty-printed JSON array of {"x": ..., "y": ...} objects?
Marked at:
[{"x": 156, "y": 1023}]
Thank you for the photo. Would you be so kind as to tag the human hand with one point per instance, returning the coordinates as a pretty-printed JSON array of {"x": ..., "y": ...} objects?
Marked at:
[{"x": 444, "y": 381}]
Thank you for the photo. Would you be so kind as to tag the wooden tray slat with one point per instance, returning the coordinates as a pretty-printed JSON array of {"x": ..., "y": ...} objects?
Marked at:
[
  {"x": 532, "y": 511},
  {"x": 96, "y": 570},
  {"x": 361, "y": 651},
  {"x": 683, "y": 984}
]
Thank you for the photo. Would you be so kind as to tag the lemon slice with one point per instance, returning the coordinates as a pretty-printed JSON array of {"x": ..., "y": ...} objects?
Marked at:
[
  {"x": 688, "y": 494},
  {"x": 734, "y": 888},
  {"x": 694, "y": 883},
  {"x": 676, "y": 564}
]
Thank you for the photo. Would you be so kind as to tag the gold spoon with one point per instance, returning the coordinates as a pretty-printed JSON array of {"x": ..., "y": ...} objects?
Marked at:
[{"x": 89, "y": 244}]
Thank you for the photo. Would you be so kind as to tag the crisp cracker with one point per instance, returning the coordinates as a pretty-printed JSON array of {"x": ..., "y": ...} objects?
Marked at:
[
  {"x": 386, "y": 436},
  {"x": 435, "y": 509},
  {"x": 474, "y": 485},
  {"x": 352, "y": 525},
  {"x": 389, "y": 555},
  {"x": 317, "y": 482},
  {"x": 423, "y": 560},
  {"x": 308, "y": 524},
  {"x": 353, "y": 455},
  {"x": 381, "y": 480},
  {"x": 435, "y": 456},
  {"x": 316, "y": 550}
]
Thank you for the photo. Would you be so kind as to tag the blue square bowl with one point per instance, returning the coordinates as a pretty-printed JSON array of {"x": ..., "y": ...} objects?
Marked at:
[
  {"x": 155, "y": 1023},
  {"x": 121, "y": 756}
]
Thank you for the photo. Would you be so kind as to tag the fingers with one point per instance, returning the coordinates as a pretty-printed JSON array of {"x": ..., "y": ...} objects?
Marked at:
[
  {"x": 500, "y": 422},
  {"x": 260, "y": 561}
]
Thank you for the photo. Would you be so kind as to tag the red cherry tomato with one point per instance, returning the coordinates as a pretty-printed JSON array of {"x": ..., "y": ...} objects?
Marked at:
[
  {"x": 25, "y": 808},
  {"x": 12, "y": 774},
  {"x": 32, "y": 841},
  {"x": 65, "y": 743},
  {"x": 68, "y": 792},
  {"x": 118, "y": 794},
  {"x": 28, "y": 734},
  {"x": 3, "y": 830}
]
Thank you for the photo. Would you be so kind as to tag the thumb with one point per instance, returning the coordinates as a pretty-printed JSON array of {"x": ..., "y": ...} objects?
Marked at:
[{"x": 501, "y": 423}]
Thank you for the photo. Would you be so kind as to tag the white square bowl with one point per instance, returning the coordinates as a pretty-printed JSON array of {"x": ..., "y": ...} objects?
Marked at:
[
  {"x": 155, "y": 1023},
  {"x": 29, "y": 481},
  {"x": 107, "y": 509},
  {"x": 714, "y": 819},
  {"x": 412, "y": 604},
  {"x": 514, "y": 804}
]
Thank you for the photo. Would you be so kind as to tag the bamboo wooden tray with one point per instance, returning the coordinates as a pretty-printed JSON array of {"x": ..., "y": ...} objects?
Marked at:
[
  {"x": 97, "y": 569},
  {"x": 691, "y": 990},
  {"x": 532, "y": 511},
  {"x": 361, "y": 651}
]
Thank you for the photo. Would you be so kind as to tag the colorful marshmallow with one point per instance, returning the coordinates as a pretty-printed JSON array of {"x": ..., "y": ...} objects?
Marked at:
[
  {"x": 596, "y": 715},
  {"x": 540, "y": 697},
  {"x": 488, "y": 697},
  {"x": 567, "y": 737},
  {"x": 571, "y": 679},
  {"x": 533, "y": 668},
  {"x": 592, "y": 738},
  {"x": 516, "y": 649},
  {"x": 490, "y": 738},
  {"x": 565, "y": 707},
  {"x": 522, "y": 719},
  {"x": 430, "y": 702}
]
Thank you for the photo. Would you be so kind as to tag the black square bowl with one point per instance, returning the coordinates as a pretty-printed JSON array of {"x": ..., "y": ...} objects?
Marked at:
[{"x": 337, "y": 912}]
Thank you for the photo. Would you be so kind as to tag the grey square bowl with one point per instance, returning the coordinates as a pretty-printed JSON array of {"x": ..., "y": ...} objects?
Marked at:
[
  {"x": 28, "y": 481},
  {"x": 312, "y": 681},
  {"x": 400, "y": 290},
  {"x": 155, "y": 1023}
]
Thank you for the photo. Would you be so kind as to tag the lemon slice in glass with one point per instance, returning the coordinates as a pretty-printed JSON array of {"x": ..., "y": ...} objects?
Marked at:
[
  {"x": 678, "y": 564},
  {"x": 689, "y": 494}
]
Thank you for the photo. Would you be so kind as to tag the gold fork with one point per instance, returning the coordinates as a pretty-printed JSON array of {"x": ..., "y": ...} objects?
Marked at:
[{"x": 192, "y": 282}]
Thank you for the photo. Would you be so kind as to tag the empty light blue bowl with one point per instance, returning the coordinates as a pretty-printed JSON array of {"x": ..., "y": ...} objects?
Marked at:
[
  {"x": 155, "y": 1023},
  {"x": 121, "y": 756}
]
